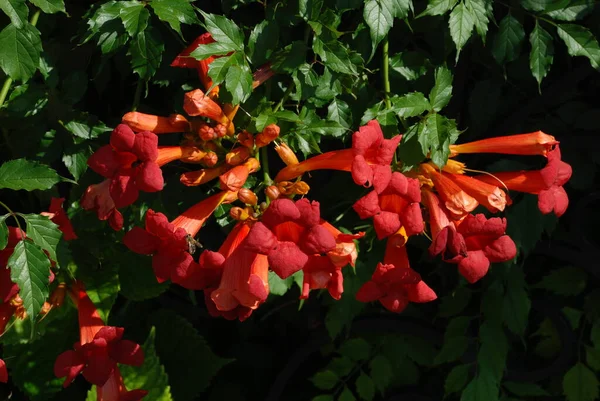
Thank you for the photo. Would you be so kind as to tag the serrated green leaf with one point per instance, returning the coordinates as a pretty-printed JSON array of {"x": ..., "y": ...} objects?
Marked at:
[
  {"x": 580, "y": 42},
  {"x": 580, "y": 384},
  {"x": 453, "y": 348},
  {"x": 340, "y": 112},
  {"x": 325, "y": 380},
  {"x": 185, "y": 355},
  {"x": 341, "y": 366},
  {"x": 543, "y": 5},
  {"x": 103, "y": 288},
  {"x": 279, "y": 286},
  {"x": 49, "y": 6},
  {"x": 410, "y": 105},
  {"x": 28, "y": 175},
  {"x": 595, "y": 334},
  {"x": 356, "y": 349},
  {"x": 575, "y": 10},
  {"x": 365, "y": 387},
  {"x": 435, "y": 138},
  {"x": 380, "y": 19},
  {"x": 592, "y": 357},
  {"x": 30, "y": 270},
  {"x": 454, "y": 303},
  {"x": 411, "y": 65},
  {"x": 217, "y": 70},
  {"x": 43, "y": 232},
  {"x": 16, "y": 10},
  {"x": 482, "y": 387},
  {"x": 137, "y": 279},
  {"x": 516, "y": 302},
  {"x": 438, "y": 7},
  {"x": 175, "y": 12},
  {"x": 146, "y": 53},
  {"x": 410, "y": 150},
  {"x": 508, "y": 40},
  {"x": 75, "y": 160},
  {"x": 3, "y": 232},
  {"x": 336, "y": 56},
  {"x": 482, "y": 12},
  {"x": 135, "y": 16},
  {"x": 88, "y": 129},
  {"x": 346, "y": 395},
  {"x": 21, "y": 48},
  {"x": 238, "y": 83},
  {"x": 224, "y": 30},
  {"x": 211, "y": 49},
  {"x": 442, "y": 90},
  {"x": 567, "y": 281},
  {"x": 542, "y": 52},
  {"x": 263, "y": 41},
  {"x": 493, "y": 350},
  {"x": 151, "y": 376},
  {"x": 461, "y": 25},
  {"x": 457, "y": 379},
  {"x": 381, "y": 372},
  {"x": 525, "y": 389}
]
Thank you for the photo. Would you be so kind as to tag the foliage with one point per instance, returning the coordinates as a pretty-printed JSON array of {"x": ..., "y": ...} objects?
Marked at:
[{"x": 440, "y": 72}]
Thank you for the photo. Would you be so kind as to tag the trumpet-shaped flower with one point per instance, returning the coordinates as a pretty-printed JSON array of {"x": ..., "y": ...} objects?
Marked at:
[
  {"x": 140, "y": 122},
  {"x": 535, "y": 143},
  {"x": 446, "y": 240},
  {"x": 59, "y": 217},
  {"x": 97, "y": 197}
]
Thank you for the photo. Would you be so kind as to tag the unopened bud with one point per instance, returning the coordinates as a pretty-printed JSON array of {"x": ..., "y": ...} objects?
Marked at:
[
  {"x": 252, "y": 164},
  {"x": 246, "y": 139},
  {"x": 268, "y": 135},
  {"x": 272, "y": 192},
  {"x": 263, "y": 206},
  {"x": 285, "y": 187},
  {"x": 247, "y": 196},
  {"x": 211, "y": 146},
  {"x": 237, "y": 213},
  {"x": 58, "y": 295},
  {"x": 286, "y": 154},
  {"x": 300, "y": 188},
  {"x": 221, "y": 130},
  {"x": 207, "y": 133},
  {"x": 237, "y": 156},
  {"x": 210, "y": 159},
  {"x": 196, "y": 103}
]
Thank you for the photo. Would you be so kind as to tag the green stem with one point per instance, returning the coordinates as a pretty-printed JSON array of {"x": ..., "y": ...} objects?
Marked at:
[
  {"x": 138, "y": 94},
  {"x": 13, "y": 214},
  {"x": 8, "y": 81},
  {"x": 385, "y": 70},
  {"x": 264, "y": 162}
]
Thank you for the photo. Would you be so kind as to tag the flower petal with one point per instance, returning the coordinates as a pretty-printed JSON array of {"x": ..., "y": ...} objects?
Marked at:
[
  {"x": 386, "y": 224},
  {"x": 474, "y": 266},
  {"x": 145, "y": 146},
  {"x": 123, "y": 190},
  {"x": 362, "y": 173},
  {"x": 369, "y": 292},
  {"x": 140, "y": 241},
  {"x": 286, "y": 259},
  {"x": 280, "y": 211},
  {"x": 68, "y": 364},
  {"x": 260, "y": 239},
  {"x": 367, "y": 206},
  {"x": 310, "y": 212},
  {"x": 126, "y": 352},
  {"x": 122, "y": 138},
  {"x": 317, "y": 240},
  {"x": 149, "y": 177}
]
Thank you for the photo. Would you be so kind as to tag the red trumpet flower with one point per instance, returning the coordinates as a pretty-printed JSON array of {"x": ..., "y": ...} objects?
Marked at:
[
  {"x": 535, "y": 143},
  {"x": 59, "y": 217}
]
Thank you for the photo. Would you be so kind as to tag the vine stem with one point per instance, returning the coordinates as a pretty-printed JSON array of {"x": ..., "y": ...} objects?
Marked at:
[
  {"x": 12, "y": 214},
  {"x": 8, "y": 81},
  {"x": 138, "y": 94},
  {"x": 385, "y": 70}
]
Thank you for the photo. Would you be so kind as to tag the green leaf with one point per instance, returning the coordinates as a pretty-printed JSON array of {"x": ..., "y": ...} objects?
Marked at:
[
  {"x": 325, "y": 380},
  {"x": 16, "y": 10},
  {"x": 525, "y": 389},
  {"x": 340, "y": 112},
  {"x": 580, "y": 384},
  {"x": 211, "y": 49},
  {"x": 21, "y": 48},
  {"x": 43, "y": 232},
  {"x": 346, "y": 395},
  {"x": 28, "y": 175},
  {"x": 411, "y": 65},
  {"x": 151, "y": 376},
  {"x": 454, "y": 303},
  {"x": 49, "y": 6},
  {"x": 493, "y": 350},
  {"x": 595, "y": 334},
  {"x": 323, "y": 397},
  {"x": 238, "y": 83},
  {"x": 452, "y": 350},
  {"x": 175, "y": 13},
  {"x": 379, "y": 17},
  {"x": 580, "y": 42},
  {"x": 461, "y": 25},
  {"x": 75, "y": 160},
  {"x": 516, "y": 302},
  {"x": 567, "y": 281},
  {"x": 279, "y": 286},
  {"x": 381, "y": 372},
  {"x": 457, "y": 379},
  {"x": 336, "y": 56},
  {"x": 135, "y": 17},
  {"x": 442, "y": 90},
  {"x": 103, "y": 288},
  {"x": 436, "y": 138},
  {"x": 136, "y": 277},
  {"x": 507, "y": 43},
  {"x": 86, "y": 127},
  {"x": 3, "y": 232},
  {"x": 342, "y": 366},
  {"x": 342, "y": 312},
  {"x": 30, "y": 269},
  {"x": 356, "y": 349},
  {"x": 438, "y": 7},
  {"x": 217, "y": 70},
  {"x": 592, "y": 357},
  {"x": 542, "y": 52},
  {"x": 410, "y": 105},
  {"x": 185, "y": 355},
  {"x": 576, "y": 10},
  {"x": 263, "y": 41},
  {"x": 224, "y": 30},
  {"x": 543, "y": 5},
  {"x": 146, "y": 53},
  {"x": 482, "y": 387},
  {"x": 482, "y": 12},
  {"x": 365, "y": 387},
  {"x": 410, "y": 150}
]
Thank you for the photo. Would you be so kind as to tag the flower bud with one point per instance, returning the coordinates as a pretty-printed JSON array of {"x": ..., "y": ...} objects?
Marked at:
[
  {"x": 196, "y": 103},
  {"x": 286, "y": 154},
  {"x": 272, "y": 192},
  {"x": 300, "y": 188},
  {"x": 268, "y": 135},
  {"x": 210, "y": 159},
  {"x": 263, "y": 206},
  {"x": 247, "y": 196},
  {"x": 237, "y": 156},
  {"x": 263, "y": 73},
  {"x": 237, "y": 213},
  {"x": 246, "y": 139},
  {"x": 220, "y": 130},
  {"x": 139, "y": 122},
  {"x": 285, "y": 187},
  {"x": 58, "y": 295},
  {"x": 207, "y": 133},
  {"x": 252, "y": 164}
]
